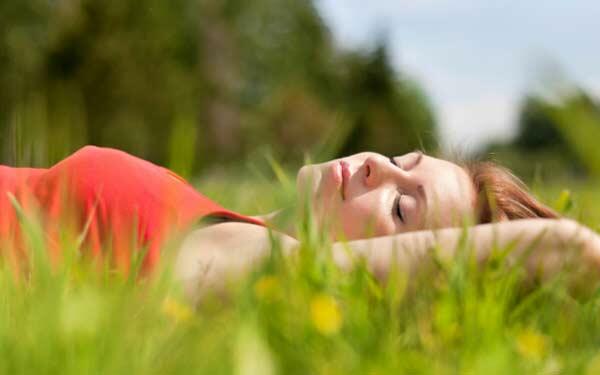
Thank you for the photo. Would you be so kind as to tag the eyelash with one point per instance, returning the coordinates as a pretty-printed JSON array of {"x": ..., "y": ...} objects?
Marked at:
[{"x": 396, "y": 205}]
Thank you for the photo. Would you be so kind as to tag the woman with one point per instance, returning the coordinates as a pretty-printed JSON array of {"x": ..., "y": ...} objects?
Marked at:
[
  {"x": 126, "y": 208},
  {"x": 391, "y": 212}
]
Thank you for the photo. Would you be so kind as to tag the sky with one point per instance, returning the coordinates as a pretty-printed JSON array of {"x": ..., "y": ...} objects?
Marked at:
[{"x": 476, "y": 59}]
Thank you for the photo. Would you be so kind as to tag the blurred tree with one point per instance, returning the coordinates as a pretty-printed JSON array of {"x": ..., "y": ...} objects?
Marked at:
[
  {"x": 259, "y": 58},
  {"x": 390, "y": 113},
  {"x": 554, "y": 127},
  {"x": 577, "y": 116},
  {"x": 165, "y": 79},
  {"x": 537, "y": 129}
]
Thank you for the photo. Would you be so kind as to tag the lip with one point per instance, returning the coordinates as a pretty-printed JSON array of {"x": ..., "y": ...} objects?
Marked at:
[{"x": 345, "y": 177}]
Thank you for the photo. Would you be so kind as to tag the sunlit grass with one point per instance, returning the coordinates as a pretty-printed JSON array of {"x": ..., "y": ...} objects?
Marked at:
[
  {"x": 294, "y": 316},
  {"x": 300, "y": 315}
]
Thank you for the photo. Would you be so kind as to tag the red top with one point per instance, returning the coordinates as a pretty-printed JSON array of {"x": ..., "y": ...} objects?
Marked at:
[{"x": 117, "y": 201}]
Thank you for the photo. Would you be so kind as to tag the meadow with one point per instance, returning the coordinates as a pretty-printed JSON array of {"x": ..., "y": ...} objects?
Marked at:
[
  {"x": 197, "y": 84},
  {"x": 298, "y": 316}
]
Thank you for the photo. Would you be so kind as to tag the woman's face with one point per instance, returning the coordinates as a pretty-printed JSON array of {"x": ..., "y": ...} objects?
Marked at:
[{"x": 369, "y": 194}]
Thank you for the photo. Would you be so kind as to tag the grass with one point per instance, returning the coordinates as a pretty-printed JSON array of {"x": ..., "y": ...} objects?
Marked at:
[{"x": 301, "y": 316}]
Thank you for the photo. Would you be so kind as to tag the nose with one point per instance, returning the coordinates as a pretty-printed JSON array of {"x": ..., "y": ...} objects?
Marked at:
[{"x": 378, "y": 170}]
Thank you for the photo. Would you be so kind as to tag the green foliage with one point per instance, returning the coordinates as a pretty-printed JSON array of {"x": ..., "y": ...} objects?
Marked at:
[
  {"x": 578, "y": 120},
  {"x": 557, "y": 132},
  {"x": 564, "y": 203},
  {"x": 537, "y": 130},
  {"x": 193, "y": 83},
  {"x": 222, "y": 79},
  {"x": 389, "y": 113},
  {"x": 294, "y": 316}
]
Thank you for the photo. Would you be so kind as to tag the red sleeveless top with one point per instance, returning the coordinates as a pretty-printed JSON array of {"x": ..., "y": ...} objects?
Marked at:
[{"x": 115, "y": 201}]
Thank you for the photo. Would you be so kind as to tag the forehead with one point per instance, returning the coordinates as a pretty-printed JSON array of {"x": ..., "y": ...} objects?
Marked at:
[{"x": 450, "y": 192}]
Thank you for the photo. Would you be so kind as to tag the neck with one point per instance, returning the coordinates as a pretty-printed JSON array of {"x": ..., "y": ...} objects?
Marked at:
[{"x": 281, "y": 220}]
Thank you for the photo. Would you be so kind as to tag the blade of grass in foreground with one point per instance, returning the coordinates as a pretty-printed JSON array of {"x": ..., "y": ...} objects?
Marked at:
[{"x": 294, "y": 315}]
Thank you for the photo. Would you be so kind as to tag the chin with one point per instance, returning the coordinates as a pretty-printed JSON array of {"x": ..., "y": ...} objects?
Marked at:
[
  {"x": 308, "y": 179},
  {"x": 311, "y": 187},
  {"x": 301, "y": 178}
]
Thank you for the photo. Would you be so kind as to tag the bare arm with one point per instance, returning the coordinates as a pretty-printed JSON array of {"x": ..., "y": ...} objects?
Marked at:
[
  {"x": 546, "y": 245},
  {"x": 211, "y": 255}
]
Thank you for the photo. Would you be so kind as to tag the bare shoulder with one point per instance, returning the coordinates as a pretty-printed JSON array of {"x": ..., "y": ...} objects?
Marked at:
[
  {"x": 224, "y": 231},
  {"x": 232, "y": 236},
  {"x": 209, "y": 256}
]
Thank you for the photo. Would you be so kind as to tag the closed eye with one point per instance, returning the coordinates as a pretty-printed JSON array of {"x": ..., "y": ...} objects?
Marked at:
[{"x": 396, "y": 209}]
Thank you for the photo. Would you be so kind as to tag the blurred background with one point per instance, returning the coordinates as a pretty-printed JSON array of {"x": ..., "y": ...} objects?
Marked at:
[{"x": 210, "y": 87}]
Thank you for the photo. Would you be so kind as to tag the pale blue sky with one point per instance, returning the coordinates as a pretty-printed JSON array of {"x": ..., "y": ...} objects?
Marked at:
[{"x": 476, "y": 59}]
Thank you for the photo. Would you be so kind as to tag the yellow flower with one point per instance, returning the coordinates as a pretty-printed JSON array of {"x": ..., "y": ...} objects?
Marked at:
[
  {"x": 175, "y": 310},
  {"x": 531, "y": 344},
  {"x": 266, "y": 287},
  {"x": 325, "y": 314}
]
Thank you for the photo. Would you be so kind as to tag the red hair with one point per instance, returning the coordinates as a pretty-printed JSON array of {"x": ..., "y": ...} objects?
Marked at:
[{"x": 500, "y": 195}]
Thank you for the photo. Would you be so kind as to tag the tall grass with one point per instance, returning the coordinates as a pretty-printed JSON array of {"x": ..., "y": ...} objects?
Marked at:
[{"x": 300, "y": 315}]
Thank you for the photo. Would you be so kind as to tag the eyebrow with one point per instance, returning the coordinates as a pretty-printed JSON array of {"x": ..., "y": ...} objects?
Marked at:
[{"x": 419, "y": 157}]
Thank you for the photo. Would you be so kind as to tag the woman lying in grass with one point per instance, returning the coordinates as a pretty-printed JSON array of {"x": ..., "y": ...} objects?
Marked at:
[
  {"x": 393, "y": 212},
  {"x": 387, "y": 211}
]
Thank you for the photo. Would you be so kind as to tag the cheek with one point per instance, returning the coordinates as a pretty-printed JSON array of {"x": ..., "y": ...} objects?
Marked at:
[{"x": 363, "y": 218}]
